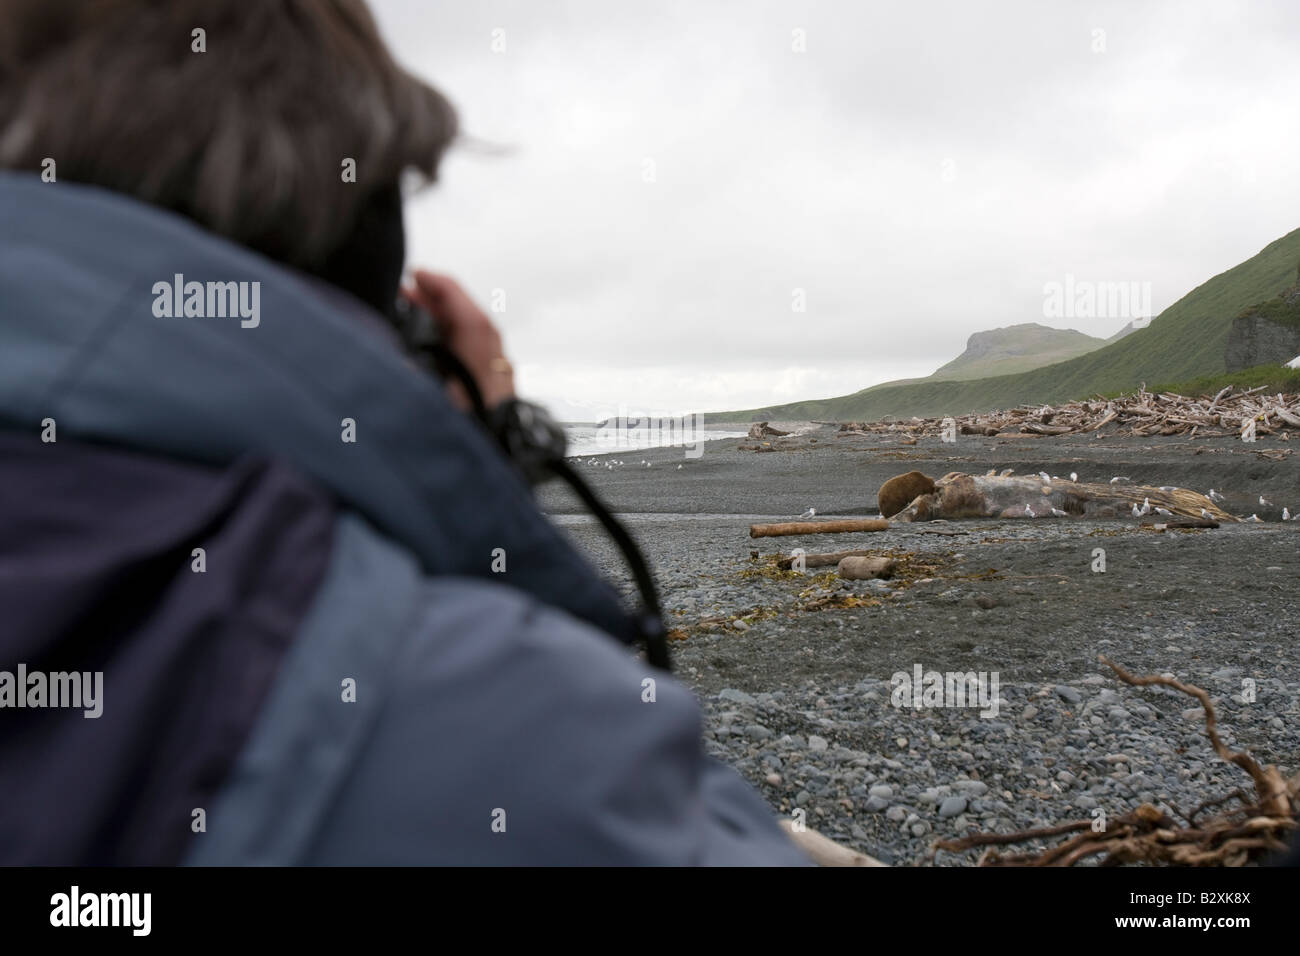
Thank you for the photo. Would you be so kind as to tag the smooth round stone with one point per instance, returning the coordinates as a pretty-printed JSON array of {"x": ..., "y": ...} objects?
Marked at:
[
  {"x": 952, "y": 806},
  {"x": 1068, "y": 694}
]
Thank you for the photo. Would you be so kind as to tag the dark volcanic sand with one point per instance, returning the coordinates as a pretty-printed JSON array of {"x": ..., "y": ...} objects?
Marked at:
[{"x": 1015, "y": 596}]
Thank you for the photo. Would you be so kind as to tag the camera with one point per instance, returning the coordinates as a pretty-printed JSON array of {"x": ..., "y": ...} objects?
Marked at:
[{"x": 525, "y": 431}]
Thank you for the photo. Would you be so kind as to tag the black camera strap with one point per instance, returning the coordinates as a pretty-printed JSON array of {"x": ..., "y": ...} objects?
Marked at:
[
  {"x": 650, "y": 619},
  {"x": 538, "y": 451}
]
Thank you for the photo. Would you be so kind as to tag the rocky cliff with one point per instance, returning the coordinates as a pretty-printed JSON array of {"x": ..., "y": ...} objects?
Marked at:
[{"x": 1265, "y": 334}]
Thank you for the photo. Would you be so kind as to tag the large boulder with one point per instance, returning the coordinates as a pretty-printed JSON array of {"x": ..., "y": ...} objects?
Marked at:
[{"x": 897, "y": 493}]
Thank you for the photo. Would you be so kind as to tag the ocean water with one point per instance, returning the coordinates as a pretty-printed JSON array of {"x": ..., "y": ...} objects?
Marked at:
[{"x": 588, "y": 440}]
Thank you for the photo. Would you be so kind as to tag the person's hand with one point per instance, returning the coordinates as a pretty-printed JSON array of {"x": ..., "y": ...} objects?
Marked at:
[{"x": 469, "y": 334}]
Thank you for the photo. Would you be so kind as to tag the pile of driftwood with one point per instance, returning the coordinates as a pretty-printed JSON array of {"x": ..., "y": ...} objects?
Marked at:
[
  {"x": 764, "y": 430},
  {"x": 1142, "y": 413},
  {"x": 1262, "y": 825}
]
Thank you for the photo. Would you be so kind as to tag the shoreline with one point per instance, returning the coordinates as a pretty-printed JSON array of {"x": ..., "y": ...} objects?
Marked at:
[
  {"x": 838, "y": 473},
  {"x": 793, "y": 671}
]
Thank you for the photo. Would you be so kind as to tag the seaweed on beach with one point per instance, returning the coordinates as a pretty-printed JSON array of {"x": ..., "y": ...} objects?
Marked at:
[
  {"x": 827, "y": 593},
  {"x": 910, "y": 567},
  {"x": 824, "y": 591},
  {"x": 769, "y": 570}
]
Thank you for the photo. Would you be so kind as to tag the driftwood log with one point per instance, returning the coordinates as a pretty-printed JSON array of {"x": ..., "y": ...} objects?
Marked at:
[
  {"x": 824, "y": 559},
  {"x": 958, "y": 495},
  {"x": 857, "y": 568},
  {"x": 820, "y": 559},
  {"x": 824, "y": 851},
  {"x": 838, "y": 526}
]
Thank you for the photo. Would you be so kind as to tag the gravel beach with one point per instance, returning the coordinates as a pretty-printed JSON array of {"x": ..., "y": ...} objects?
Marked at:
[{"x": 794, "y": 670}]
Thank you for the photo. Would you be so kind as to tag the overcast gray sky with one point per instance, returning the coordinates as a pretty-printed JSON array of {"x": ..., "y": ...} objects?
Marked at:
[{"x": 669, "y": 173}]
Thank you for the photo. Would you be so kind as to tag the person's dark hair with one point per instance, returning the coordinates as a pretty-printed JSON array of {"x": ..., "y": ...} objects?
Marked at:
[{"x": 247, "y": 138}]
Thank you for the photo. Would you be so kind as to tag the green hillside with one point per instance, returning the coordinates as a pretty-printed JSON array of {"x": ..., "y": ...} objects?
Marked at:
[
  {"x": 1186, "y": 341},
  {"x": 1017, "y": 348}
]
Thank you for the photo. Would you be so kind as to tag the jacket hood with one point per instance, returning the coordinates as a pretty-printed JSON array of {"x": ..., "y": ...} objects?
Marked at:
[{"x": 91, "y": 284}]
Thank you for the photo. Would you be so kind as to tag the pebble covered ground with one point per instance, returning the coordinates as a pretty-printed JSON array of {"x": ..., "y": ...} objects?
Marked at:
[
  {"x": 889, "y": 781},
  {"x": 795, "y": 672}
]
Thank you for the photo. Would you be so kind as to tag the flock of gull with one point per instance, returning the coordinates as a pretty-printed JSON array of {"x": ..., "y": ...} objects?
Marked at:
[
  {"x": 1146, "y": 508},
  {"x": 611, "y": 465},
  {"x": 1137, "y": 512}
]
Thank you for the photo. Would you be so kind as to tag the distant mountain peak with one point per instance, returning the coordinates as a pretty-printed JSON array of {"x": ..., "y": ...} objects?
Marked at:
[{"x": 1016, "y": 348}]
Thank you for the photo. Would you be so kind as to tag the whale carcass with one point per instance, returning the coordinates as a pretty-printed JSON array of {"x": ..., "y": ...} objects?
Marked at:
[{"x": 959, "y": 495}]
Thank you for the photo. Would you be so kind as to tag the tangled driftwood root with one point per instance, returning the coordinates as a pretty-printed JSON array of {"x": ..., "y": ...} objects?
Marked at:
[
  {"x": 1141, "y": 413},
  {"x": 1260, "y": 826}
]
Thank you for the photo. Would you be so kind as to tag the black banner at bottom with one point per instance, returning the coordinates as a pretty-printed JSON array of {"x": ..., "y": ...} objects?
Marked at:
[{"x": 337, "y": 905}]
